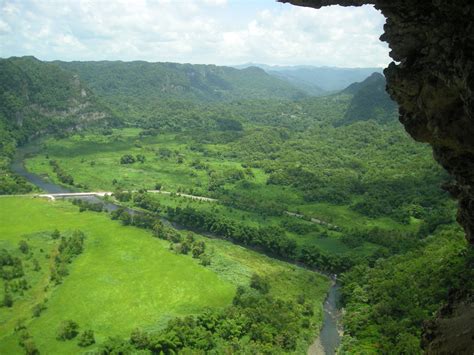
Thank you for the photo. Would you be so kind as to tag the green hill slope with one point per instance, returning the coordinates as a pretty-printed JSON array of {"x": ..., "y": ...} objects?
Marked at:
[
  {"x": 138, "y": 90},
  {"x": 180, "y": 81},
  {"x": 370, "y": 101},
  {"x": 36, "y": 98}
]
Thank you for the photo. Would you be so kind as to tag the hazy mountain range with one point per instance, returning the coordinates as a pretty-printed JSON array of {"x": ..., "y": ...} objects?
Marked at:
[{"x": 316, "y": 80}]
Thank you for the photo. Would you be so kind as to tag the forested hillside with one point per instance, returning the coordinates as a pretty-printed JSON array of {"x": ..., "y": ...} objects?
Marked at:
[
  {"x": 388, "y": 304},
  {"x": 370, "y": 101},
  {"x": 139, "y": 89},
  {"x": 37, "y": 98}
]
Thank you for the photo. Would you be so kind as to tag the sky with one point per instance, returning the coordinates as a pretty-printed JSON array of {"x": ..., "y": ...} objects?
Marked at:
[{"x": 222, "y": 32}]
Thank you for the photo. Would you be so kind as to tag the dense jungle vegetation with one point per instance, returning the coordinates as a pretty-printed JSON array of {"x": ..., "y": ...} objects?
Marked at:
[{"x": 332, "y": 183}]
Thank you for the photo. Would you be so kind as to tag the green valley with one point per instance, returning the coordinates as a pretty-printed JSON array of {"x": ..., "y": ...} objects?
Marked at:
[{"x": 238, "y": 201}]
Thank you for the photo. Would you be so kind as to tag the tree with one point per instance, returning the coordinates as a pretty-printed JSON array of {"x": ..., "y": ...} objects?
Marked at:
[
  {"x": 24, "y": 247},
  {"x": 184, "y": 247},
  {"x": 7, "y": 300},
  {"x": 86, "y": 338},
  {"x": 68, "y": 329},
  {"x": 198, "y": 248},
  {"x": 122, "y": 196},
  {"x": 190, "y": 238},
  {"x": 225, "y": 124},
  {"x": 139, "y": 339},
  {"x": 127, "y": 159},
  {"x": 56, "y": 234},
  {"x": 30, "y": 347},
  {"x": 36, "y": 265},
  {"x": 38, "y": 308},
  {"x": 159, "y": 229},
  {"x": 259, "y": 283},
  {"x": 116, "y": 345}
]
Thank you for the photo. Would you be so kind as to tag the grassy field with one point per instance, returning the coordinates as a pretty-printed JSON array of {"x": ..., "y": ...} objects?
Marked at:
[
  {"x": 344, "y": 216},
  {"x": 94, "y": 161},
  {"x": 125, "y": 278}
]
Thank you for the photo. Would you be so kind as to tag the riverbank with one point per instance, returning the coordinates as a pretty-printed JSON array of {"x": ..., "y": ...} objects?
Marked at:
[{"x": 328, "y": 339}]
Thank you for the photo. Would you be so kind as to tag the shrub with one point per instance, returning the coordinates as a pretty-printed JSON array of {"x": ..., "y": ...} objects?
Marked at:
[
  {"x": 56, "y": 234},
  {"x": 86, "y": 338},
  {"x": 26, "y": 341},
  {"x": 7, "y": 300},
  {"x": 205, "y": 259},
  {"x": 38, "y": 308},
  {"x": 30, "y": 347},
  {"x": 259, "y": 283},
  {"x": 127, "y": 159},
  {"x": 24, "y": 247},
  {"x": 198, "y": 248},
  {"x": 68, "y": 329},
  {"x": 36, "y": 265}
]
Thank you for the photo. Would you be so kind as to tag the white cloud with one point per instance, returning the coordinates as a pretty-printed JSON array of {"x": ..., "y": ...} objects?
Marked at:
[
  {"x": 196, "y": 31},
  {"x": 215, "y": 2},
  {"x": 4, "y": 28}
]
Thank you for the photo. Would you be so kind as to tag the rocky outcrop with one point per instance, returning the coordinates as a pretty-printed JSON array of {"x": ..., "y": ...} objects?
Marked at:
[
  {"x": 452, "y": 331},
  {"x": 432, "y": 79},
  {"x": 39, "y": 97}
]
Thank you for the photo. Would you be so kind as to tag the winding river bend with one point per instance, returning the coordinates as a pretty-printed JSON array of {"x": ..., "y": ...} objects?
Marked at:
[{"x": 325, "y": 343}]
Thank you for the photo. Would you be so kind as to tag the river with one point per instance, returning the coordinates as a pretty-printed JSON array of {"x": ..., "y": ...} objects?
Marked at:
[
  {"x": 329, "y": 338},
  {"x": 324, "y": 344}
]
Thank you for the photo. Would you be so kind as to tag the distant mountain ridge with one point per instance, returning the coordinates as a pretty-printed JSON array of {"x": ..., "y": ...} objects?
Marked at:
[
  {"x": 181, "y": 81},
  {"x": 37, "y": 96},
  {"x": 316, "y": 80}
]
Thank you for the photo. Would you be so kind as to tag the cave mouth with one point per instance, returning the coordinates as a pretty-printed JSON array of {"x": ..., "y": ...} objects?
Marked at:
[{"x": 432, "y": 80}]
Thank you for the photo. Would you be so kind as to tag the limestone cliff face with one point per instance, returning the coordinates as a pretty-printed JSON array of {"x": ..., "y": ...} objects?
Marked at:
[
  {"x": 38, "y": 97},
  {"x": 432, "y": 79}
]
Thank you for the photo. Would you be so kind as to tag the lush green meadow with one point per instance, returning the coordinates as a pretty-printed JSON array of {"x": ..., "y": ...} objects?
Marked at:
[
  {"x": 94, "y": 161},
  {"x": 125, "y": 278}
]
